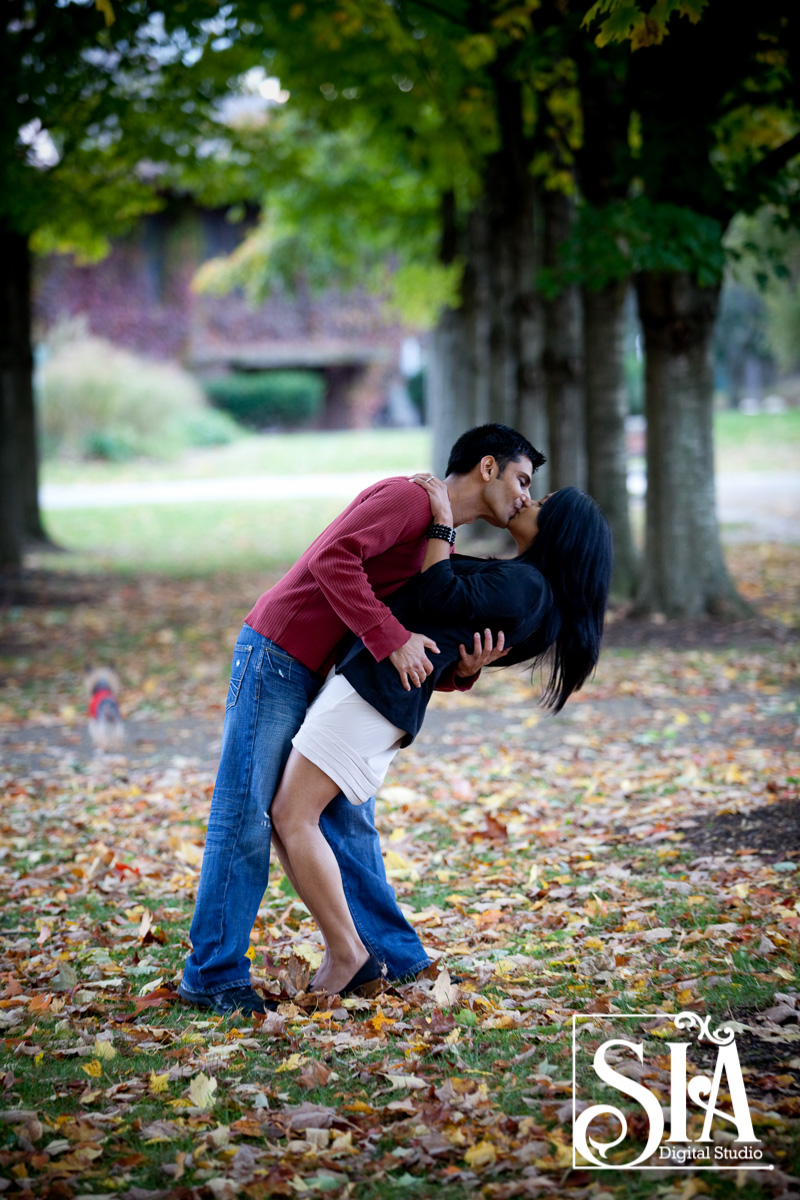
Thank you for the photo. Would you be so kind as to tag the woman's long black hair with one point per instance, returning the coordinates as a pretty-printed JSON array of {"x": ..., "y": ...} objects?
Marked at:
[{"x": 573, "y": 551}]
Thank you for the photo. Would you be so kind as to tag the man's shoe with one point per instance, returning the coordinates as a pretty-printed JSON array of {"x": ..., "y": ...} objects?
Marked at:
[{"x": 230, "y": 1000}]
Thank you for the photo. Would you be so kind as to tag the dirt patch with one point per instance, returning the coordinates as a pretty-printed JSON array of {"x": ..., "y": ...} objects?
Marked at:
[
  {"x": 624, "y": 633},
  {"x": 40, "y": 588},
  {"x": 773, "y": 830}
]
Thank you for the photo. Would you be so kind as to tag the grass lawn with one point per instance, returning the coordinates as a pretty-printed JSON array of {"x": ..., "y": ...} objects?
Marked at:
[
  {"x": 189, "y": 539},
  {"x": 764, "y": 442},
  {"x": 389, "y": 450},
  {"x": 198, "y": 538}
]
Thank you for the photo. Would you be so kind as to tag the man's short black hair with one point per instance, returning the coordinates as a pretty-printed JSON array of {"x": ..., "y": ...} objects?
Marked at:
[{"x": 504, "y": 444}]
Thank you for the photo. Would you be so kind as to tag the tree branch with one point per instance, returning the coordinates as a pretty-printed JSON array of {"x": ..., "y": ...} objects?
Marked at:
[
  {"x": 439, "y": 12},
  {"x": 774, "y": 160}
]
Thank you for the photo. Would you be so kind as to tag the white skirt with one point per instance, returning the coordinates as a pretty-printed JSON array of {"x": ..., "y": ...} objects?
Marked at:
[{"x": 348, "y": 739}]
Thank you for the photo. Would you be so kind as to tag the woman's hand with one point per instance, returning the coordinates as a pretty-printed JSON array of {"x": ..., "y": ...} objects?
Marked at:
[
  {"x": 483, "y": 653},
  {"x": 441, "y": 512}
]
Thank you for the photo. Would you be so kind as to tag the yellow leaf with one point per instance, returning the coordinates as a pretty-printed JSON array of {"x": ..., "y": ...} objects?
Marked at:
[
  {"x": 105, "y": 7},
  {"x": 453, "y": 1036},
  {"x": 250, "y": 953},
  {"x": 396, "y": 865},
  {"x": 443, "y": 990},
  {"x": 734, "y": 775},
  {"x": 684, "y": 996},
  {"x": 406, "y": 1081},
  {"x": 37, "y": 1059},
  {"x": 201, "y": 1090},
  {"x": 104, "y": 1050},
  {"x": 505, "y": 966},
  {"x": 342, "y": 1144},
  {"x": 293, "y": 1063},
  {"x": 158, "y": 1083},
  {"x": 151, "y": 986},
  {"x": 310, "y": 954},
  {"x": 533, "y": 875},
  {"x": 784, "y": 974},
  {"x": 93, "y": 1069},
  {"x": 379, "y": 1020},
  {"x": 482, "y": 1155},
  {"x": 506, "y": 1021},
  {"x": 563, "y": 1155},
  {"x": 190, "y": 854}
]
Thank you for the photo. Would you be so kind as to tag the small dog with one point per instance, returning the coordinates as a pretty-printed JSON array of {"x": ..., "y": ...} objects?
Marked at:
[{"x": 105, "y": 720}]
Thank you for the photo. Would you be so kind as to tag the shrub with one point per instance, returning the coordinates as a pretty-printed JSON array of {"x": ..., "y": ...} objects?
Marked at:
[
  {"x": 263, "y": 398},
  {"x": 98, "y": 401}
]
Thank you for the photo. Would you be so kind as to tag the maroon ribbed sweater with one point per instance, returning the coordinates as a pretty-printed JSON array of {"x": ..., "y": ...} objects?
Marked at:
[{"x": 374, "y": 547}]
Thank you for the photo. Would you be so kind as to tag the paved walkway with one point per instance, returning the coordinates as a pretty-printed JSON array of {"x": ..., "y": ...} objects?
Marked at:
[{"x": 752, "y": 505}]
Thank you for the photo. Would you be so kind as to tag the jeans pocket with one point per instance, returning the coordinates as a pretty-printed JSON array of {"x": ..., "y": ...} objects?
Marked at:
[{"x": 241, "y": 657}]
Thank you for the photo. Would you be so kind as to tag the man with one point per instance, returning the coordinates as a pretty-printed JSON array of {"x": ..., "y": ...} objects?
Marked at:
[{"x": 284, "y": 651}]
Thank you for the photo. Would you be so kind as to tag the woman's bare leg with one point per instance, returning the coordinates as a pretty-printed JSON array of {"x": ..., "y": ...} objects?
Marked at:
[
  {"x": 304, "y": 792},
  {"x": 283, "y": 858}
]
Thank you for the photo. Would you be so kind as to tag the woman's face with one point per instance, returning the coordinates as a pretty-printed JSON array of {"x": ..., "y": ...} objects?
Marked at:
[{"x": 525, "y": 525}]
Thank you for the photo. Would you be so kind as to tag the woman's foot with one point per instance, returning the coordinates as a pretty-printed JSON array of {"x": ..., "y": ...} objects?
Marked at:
[{"x": 340, "y": 978}]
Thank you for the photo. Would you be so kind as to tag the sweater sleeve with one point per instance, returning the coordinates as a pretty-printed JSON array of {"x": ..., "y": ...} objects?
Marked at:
[{"x": 394, "y": 511}]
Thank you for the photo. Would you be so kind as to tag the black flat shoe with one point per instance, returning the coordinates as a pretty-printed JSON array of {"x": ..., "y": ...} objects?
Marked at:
[
  {"x": 366, "y": 980},
  {"x": 230, "y": 1000}
]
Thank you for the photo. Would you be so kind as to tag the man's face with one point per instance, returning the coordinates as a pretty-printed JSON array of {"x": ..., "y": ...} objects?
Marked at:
[{"x": 506, "y": 491}]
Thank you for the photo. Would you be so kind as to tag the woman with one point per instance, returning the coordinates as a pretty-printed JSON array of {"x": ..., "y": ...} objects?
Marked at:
[{"x": 547, "y": 603}]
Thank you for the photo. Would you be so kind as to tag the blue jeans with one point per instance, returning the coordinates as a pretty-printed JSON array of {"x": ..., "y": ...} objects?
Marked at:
[{"x": 268, "y": 695}]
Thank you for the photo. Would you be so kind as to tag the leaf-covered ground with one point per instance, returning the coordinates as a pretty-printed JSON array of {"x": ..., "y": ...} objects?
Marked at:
[{"x": 637, "y": 854}]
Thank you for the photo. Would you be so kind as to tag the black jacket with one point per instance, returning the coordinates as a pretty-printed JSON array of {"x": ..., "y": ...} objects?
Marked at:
[{"x": 450, "y": 602}]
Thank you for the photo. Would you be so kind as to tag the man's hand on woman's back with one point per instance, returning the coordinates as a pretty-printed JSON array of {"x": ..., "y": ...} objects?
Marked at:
[{"x": 411, "y": 662}]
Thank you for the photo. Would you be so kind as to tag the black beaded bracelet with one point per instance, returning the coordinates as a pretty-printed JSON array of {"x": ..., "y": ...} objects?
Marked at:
[{"x": 442, "y": 531}]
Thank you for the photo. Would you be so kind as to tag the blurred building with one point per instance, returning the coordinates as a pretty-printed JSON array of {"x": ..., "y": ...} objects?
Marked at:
[{"x": 140, "y": 297}]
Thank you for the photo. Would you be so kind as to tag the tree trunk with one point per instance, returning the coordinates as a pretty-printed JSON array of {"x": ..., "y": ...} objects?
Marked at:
[
  {"x": 486, "y": 360},
  {"x": 477, "y": 279},
  {"x": 606, "y": 409},
  {"x": 449, "y": 383},
  {"x": 11, "y": 329},
  {"x": 27, "y": 441},
  {"x": 562, "y": 357},
  {"x": 684, "y": 570},
  {"x": 531, "y": 399},
  {"x": 451, "y": 374}
]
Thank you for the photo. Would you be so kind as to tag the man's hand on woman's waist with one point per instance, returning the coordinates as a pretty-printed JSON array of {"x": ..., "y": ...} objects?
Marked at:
[{"x": 411, "y": 662}]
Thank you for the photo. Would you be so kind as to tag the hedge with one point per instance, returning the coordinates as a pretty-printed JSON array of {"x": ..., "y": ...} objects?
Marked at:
[{"x": 264, "y": 398}]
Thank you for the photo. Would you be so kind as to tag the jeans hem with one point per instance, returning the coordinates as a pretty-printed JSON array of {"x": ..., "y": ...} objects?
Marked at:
[
  {"x": 412, "y": 972},
  {"x": 220, "y": 987}
]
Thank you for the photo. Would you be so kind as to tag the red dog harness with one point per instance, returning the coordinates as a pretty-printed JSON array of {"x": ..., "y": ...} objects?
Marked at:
[{"x": 97, "y": 699}]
